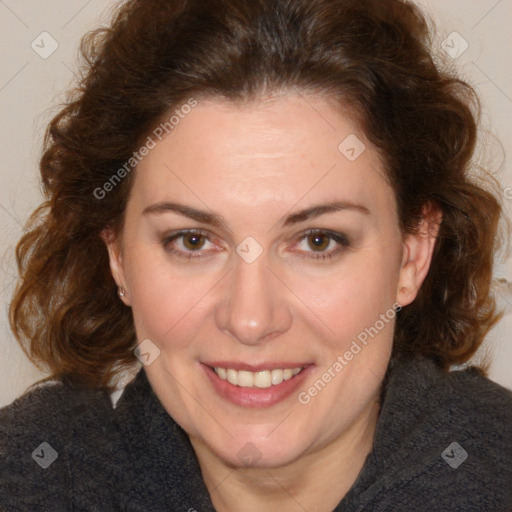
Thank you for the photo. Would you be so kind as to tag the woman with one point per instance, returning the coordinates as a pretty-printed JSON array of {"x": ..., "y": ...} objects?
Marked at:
[{"x": 269, "y": 205}]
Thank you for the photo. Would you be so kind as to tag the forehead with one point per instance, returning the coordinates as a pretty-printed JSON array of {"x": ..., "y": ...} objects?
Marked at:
[{"x": 280, "y": 149}]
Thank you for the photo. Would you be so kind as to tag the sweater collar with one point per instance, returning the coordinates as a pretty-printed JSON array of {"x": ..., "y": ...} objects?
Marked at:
[
  {"x": 168, "y": 463},
  {"x": 168, "y": 469}
]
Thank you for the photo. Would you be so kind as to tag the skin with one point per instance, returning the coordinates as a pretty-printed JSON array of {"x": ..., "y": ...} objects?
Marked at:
[{"x": 255, "y": 165}]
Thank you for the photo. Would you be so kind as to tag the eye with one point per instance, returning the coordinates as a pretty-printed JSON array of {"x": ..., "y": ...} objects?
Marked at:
[
  {"x": 321, "y": 244},
  {"x": 188, "y": 244}
]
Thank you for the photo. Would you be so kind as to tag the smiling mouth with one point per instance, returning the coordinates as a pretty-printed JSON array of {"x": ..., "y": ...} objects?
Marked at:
[{"x": 261, "y": 379}]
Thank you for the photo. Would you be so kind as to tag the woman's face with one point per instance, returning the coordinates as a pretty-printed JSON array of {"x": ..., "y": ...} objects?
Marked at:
[{"x": 259, "y": 242}]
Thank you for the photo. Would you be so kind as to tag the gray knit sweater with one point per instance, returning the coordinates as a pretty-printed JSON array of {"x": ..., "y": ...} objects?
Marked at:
[{"x": 443, "y": 443}]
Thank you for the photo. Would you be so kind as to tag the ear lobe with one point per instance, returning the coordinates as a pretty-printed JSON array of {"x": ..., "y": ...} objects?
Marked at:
[
  {"x": 115, "y": 256},
  {"x": 417, "y": 254}
]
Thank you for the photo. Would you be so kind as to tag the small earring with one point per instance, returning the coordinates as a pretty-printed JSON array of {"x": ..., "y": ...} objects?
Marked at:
[{"x": 121, "y": 291}]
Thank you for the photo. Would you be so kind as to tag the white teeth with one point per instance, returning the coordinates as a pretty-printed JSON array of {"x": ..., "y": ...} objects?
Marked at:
[
  {"x": 245, "y": 379},
  {"x": 232, "y": 377},
  {"x": 262, "y": 379},
  {"x": 277, "y": 377}
]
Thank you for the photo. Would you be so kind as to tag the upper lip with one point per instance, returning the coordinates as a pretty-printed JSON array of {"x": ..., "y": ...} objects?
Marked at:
[{"x": 234, "y": 365}]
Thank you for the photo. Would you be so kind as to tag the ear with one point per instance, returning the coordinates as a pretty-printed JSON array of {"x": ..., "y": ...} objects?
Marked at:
[
  {"x": 115, "y": 256},
  {"x": 417, "y": 254}
]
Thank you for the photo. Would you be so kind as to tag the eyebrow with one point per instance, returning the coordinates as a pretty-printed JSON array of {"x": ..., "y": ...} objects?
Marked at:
[
  {"x": 322, "y": 209},
  {"x": 218, "y": 221}
]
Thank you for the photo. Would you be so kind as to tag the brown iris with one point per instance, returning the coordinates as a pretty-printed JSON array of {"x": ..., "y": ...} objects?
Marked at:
[
  {"x": 318, "y": 241},
  {"x": 193, "y": 241}
]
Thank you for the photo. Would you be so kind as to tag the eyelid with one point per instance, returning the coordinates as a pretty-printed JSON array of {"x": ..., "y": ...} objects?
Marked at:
[
  {"x": 334, "y": 235},
  {"x": 186, "y": 231},
  {"x": 343, "y": 243},
  {"x": 341, "y": 239},
  {"x": 168, "y": 238}
]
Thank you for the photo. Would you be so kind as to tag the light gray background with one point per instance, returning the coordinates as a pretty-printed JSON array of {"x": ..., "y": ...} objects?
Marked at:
[{"x": 32, "y": 87}]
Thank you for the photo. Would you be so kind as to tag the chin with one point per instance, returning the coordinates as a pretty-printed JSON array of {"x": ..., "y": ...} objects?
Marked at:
[{"x": 252, "y": 449}]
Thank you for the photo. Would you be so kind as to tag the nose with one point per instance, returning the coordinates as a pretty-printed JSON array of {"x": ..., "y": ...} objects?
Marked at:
[{"x": 253, "y": 307}]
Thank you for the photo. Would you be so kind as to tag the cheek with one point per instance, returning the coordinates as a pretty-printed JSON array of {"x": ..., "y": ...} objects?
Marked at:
[
  {"x": 171, "y": 303},
  {"x": 354, "y": 298},
  {"x": 164, "y": 302}
]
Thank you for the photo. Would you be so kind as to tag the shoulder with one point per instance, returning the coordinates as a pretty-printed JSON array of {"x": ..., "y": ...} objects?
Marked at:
[
  {"x": 484, "y": 400},
  {"x": 46, "y": 394},
  {"x": 41, "y": 433},
  {"x": 49, "y": 408},
  {"x": 448, "y": 435},
  {"x": 464, "y": 397},
  {"x": 462, "y": 403},
  {"x": 477, "y": 413}
]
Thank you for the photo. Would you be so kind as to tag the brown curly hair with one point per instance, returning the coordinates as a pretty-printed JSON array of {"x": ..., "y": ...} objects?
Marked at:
[{"x": 373, "y": 55}]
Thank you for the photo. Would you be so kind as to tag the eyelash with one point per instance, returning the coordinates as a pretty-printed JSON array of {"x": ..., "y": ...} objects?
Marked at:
[
  {"x": 166, "y": 242},
  {"x": 339, "y": 238}
]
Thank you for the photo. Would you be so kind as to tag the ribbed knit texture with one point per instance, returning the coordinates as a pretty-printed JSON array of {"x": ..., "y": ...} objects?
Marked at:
[{"x": 136, "y": 458}]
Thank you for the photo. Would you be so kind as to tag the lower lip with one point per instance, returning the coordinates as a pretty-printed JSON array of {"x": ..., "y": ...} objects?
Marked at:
[{"x": 255, "y": 397}]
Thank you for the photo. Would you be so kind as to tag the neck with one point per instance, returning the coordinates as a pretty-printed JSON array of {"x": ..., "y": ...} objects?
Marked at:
[{"x": 316, "y": 481}]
